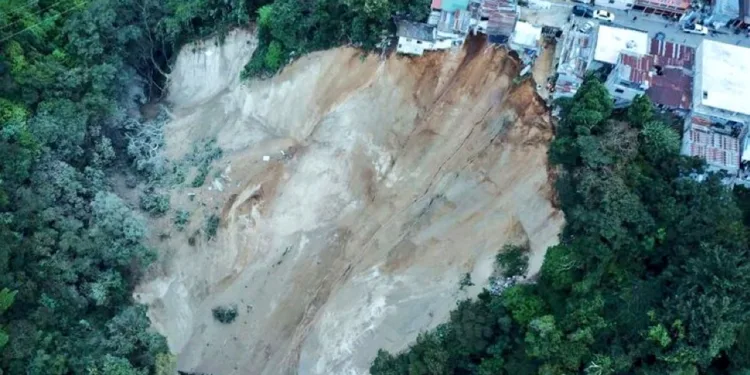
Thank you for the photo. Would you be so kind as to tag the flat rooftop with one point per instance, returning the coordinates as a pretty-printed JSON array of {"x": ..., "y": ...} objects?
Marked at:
[
  {"x": 610, "y": 41},
  {"x": 725, "y": 76},
  {"x": 527, "y": 34}
]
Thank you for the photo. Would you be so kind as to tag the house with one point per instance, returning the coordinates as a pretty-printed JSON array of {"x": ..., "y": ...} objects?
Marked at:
[
  {"x": 672, "y": 87},
  {"x": 664, "y": 75},
  {"x": 723, "y": 12},
  {"x": 452, "y": 18},
  {"x": 610, "y": 41},
  {"x": 525, "y": 40},
  {"x": 415, "y": 38},
  {"x": 501, "y": 17},
  {"x": 576, "y": 53},
  {"x": 630, "y": 77},
  {"x": 717, "y": 127},
  {"x": 664, "y": 7},
  {"x": 615, "y": 4}
]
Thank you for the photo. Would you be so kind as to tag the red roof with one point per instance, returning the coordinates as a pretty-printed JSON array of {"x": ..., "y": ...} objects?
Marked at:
[
  {"x": 672, "y": 54},
  {"x": 640, "y": 66},
  {"x": 717, "y": 149},
  {"x": 668, "y": 5},
  {"x": 673, "y": 89},
  {"x": 437, "y": 4}
]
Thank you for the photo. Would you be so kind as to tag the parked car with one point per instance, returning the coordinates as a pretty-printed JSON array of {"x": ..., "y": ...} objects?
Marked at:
[
  {"x": 583, "y": 11},
  {"x": 603, "y": 15},
  {"x": 695, "y": 29}
]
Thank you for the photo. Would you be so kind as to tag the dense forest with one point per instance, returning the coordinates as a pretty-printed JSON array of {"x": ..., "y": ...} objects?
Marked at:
[{"x": 651, "y": 276}]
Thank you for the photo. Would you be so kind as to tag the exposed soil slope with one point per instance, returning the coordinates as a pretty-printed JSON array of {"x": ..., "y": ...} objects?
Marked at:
[{"x": 386, "y": 182}]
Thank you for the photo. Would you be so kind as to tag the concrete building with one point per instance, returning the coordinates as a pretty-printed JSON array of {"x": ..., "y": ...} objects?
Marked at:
[
  {"x": 576, "y": 53},
  {"x": 416, "y": 38},
  {"x": 717, "y": 128},
  {"x": 610, "y": 41},
  {"x": 630, "y": 77},
  {"x": 615, "y": 4},
  {"x": 452, "y": 18},
  {"x": 501, "y": 17},
  {"x": 723, "y": 12},
  {"x": 525, "y": 40}
]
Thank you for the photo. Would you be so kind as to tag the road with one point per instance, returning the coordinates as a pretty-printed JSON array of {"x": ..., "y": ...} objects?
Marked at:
[{"x": 559, "y": 12}]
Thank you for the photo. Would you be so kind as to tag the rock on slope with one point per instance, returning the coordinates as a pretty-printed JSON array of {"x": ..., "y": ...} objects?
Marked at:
[{"x": 386, "y": 181}]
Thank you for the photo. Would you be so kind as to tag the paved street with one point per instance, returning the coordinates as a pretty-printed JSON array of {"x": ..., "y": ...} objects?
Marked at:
[{"x": 557, "y": 15}]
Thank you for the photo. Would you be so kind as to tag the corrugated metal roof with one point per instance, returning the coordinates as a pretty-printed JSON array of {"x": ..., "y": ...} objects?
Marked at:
[
  {"x": 501, "y": 15},
  {"x": 669, "y": 5},
  {"x": 640, "y": 67},
  {"x": 672, "y": 54},
  {"x": 717, "y": 149},
  {"x": 673, "y": 88}
]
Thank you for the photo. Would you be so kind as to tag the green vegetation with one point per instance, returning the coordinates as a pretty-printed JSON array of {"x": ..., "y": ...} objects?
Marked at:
[
  {"x": 225, "y": 314},
  {"x": 651, "y": 275},
  {"x": 291, "y": 28}
]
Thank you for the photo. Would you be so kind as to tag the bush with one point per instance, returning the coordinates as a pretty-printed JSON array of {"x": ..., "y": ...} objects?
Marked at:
[
  {"x": 212, "y": 226},
  {"x": 513, "y": 260},
  {"x": 181, "y": 219},
  {"x": 225, "y": 314},
  {"x": 155, "y": 204}
]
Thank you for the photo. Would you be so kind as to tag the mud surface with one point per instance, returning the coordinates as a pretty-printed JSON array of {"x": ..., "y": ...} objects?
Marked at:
[{"x": 354, "y": 195}]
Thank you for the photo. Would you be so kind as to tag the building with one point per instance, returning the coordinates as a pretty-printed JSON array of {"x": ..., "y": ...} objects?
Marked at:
[
  {"x": 500, "y": 17},
  {"x": 672, "y": 87},
  {"x": 416, "y": 38},
  {"x": 717, "y": 128},
  {"x": 452, "y": 18},
  {"x": 723, "y": 12},
  {"x": 610, "y": 41},
  {"x": 576, "y": 53},
  {"x": 630, "y": 77},
  {"x": 615, "y": 4},
  {"x": 665, "y": 7},
  {"x": 525, "y": 40},
  {"x": 664, "y": 75}
]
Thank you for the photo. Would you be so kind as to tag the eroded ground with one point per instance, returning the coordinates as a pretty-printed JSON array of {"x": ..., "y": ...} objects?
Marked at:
[{"x": 385, "y": 182}]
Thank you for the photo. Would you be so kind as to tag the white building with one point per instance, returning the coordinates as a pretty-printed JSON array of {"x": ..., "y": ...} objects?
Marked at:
[
  {"x": 615, "y": 4},
  {"x": 610, "y": 41},
  {"x": 525, "y": 40},
  {"x": 416, "y": 38},
  {"x": 717, "y": 128},
  {"x": 631, "y": 76}
]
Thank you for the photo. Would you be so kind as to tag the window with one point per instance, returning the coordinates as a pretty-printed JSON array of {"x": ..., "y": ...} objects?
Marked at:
[
  {"x": 611, "y": 1},
  {"x": 705, "y": 95},
  {"x": 619, "y": 91},
  {"x": 419, "y": 42}
]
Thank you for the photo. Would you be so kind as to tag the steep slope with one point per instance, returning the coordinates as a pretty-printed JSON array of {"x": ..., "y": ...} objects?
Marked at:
[{"x": 383, "y": 183}]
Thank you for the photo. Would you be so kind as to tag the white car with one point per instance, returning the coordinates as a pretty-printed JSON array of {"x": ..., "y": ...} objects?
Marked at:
[
  {"x": 603, "y": 15},
  {"x": 695, "y": 29}
]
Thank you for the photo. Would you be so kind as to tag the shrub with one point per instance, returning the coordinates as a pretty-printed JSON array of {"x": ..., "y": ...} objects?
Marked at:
[
  {"x": 181, "y": 219},
  {"x": 156, "y": 204},
  {"x": 225, "y": 314},
  {"x": 212, "y": 226},
  {"x": 513, "y": 259}
]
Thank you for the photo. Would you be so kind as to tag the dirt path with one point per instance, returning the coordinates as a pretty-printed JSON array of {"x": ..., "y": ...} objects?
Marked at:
[{"x": 360, "y": 193}]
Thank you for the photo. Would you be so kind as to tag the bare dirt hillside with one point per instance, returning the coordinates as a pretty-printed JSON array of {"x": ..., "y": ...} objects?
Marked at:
[{"x": 383, "y": 183}]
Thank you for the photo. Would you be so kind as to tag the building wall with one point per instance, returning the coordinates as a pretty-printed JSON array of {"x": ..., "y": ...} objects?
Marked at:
[
  {"x": 621, "y": 95},
  {"x": 615, "y": 4},
  {"x": 412, "y": 46}
]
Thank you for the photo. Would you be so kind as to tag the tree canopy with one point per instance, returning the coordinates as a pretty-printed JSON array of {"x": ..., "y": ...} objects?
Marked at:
[{"x": 650, "y": 276}]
